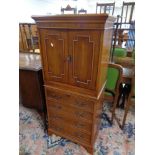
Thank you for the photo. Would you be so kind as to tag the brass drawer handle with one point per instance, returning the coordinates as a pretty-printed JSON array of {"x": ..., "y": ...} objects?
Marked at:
[
  {"x": 79, "y": 125},
  {"x": 80, "y": 104},
  {"x": 56, "y": 117},
  {"x": 57, "y": 106},
  {"x": 79, "y": 113},
  {"x": 58, "y": 128},
  {"x": 53, "y": 95},
  {"x": 67, "y": 95}
]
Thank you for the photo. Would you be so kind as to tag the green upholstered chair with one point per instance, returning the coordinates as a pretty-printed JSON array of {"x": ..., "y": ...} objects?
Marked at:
[
  {"x": 120, "y": 52},
  {"x": 114, "y": 78}
]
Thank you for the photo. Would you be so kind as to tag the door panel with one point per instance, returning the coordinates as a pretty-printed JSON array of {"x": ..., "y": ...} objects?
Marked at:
[
  {"x": 54, "y": 45},
  {"x": 84, "y": 50}
]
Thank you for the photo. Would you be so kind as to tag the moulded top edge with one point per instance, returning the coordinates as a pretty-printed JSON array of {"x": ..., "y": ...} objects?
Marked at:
[{"x": 73, "y": 17}]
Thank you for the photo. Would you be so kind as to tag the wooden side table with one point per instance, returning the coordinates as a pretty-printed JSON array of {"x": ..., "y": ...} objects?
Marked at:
[{"x": 31, "y": 82}]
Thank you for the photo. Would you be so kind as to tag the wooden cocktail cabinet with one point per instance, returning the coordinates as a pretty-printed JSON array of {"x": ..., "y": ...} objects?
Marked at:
[{"x": 75, "y": 51}]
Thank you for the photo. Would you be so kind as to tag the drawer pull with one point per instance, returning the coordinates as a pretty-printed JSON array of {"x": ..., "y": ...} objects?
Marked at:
[
  {"x": 56, "y": 117},
  {"x": 79, "y": 113},
  {"x": 81, "y": 104},
  {"x": 79, "y": 125},
  {"x": 55, "y": 96},
  {"x": 57, "y": 106},
  {"x": 67, "y": 95},
  {"x": 58, "y": 128}
]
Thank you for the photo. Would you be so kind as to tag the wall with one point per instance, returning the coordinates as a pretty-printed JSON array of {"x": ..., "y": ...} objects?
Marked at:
[{"x": 45, "y": 7}]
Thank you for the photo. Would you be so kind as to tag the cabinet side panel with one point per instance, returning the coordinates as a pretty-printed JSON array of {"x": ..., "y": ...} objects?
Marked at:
[{"x": 104, "y": 58}]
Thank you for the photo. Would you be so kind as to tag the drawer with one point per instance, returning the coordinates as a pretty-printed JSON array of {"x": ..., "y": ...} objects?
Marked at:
[
  {"x": 56, "y": 107},
  {"x": 81, "y": 125},
  {"x": 70, "y": 99},
  {"x": 70, "y": 131},
  {"x": 55, "y": 95}
]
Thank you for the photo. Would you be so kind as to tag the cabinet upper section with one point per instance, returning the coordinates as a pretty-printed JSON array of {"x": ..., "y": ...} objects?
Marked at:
[
  {"x": 75, "y": 50},
  {"x": 79, "y": 21}
]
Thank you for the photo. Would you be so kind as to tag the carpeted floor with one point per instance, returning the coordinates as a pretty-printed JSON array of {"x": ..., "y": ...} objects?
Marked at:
[{"x": 110, "y": 141}]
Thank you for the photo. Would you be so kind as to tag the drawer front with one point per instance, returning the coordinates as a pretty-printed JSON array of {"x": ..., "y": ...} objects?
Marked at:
[
  {"x": 55, "y": 95},
  {"x": 81, "y": 125},
  {"x": 56, "y": 107},
  {"x": 70, "y": 131},
  {"x": 70, "y": 100}
]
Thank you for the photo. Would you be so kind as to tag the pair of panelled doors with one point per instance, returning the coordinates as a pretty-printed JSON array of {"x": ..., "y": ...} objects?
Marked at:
[{"x": 70, "y": 56}]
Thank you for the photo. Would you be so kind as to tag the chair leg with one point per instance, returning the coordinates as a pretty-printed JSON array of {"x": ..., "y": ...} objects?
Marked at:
[
  {"x": 113, "y": 108},
  {"x": 126, "y": 112}
]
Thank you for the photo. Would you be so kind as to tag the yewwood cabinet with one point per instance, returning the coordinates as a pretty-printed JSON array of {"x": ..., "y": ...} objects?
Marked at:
[{"x": 75, "y": 52}]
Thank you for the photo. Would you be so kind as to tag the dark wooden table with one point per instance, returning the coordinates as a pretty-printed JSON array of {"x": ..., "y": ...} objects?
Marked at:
[
  {"x": 31, "y": 81},
  {"x": 126, "y": 62}
]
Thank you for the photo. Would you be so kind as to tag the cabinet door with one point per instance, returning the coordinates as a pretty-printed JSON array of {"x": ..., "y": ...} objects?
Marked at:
[
  {"x": 54, "y": 52},
  {"x": 84, "y": 51}
]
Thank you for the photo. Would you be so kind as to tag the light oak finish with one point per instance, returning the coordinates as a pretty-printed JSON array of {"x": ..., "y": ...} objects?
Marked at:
[{"x": 75, "y": 52}]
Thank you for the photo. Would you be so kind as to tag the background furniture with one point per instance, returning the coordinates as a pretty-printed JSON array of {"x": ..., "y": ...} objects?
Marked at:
[
  {"x": 106, "y": 8},
  {"x": 120, "y": 52},
  {"x": 124, "y": 31},
  {"x": 128, "y": 10},
  {"x": 114, "y": 79},
  {"x": 128, "y": 87},
  {"x": 129, "y": 101},
  {"x": 82, "y": 11},
  {"x": 127, "y": 62},
  {"x": 75, "y": 53},
  {"x": 127, "y": 74},
  {"x": 68, "y": 9},
  {"x": 31, "y": 81},
  {"x": 28, "y": 37},
  {"x": 130, "y": 42}
]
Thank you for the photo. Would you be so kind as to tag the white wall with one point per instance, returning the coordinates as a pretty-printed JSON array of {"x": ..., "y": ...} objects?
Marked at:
[{"x": 43, "y": 7}]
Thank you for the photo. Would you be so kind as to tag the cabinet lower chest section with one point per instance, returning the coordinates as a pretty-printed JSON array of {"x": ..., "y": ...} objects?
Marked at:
[{"x": 73, "y": 116}]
